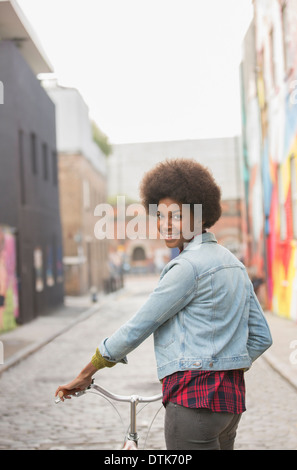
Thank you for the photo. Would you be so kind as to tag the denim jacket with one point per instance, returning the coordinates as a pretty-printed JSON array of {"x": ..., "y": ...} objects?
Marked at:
[{"x": 204, "y": 314}]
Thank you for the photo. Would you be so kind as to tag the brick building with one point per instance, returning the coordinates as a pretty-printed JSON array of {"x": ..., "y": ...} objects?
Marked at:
[{"x": 83, "y": 185}]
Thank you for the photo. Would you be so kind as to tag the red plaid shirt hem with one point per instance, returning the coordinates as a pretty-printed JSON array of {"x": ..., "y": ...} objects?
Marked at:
[{"x": 219, "y": 391}]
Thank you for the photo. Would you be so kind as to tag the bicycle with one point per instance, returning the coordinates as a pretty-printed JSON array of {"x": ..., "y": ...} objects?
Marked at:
[{"x": 131, "y": 437}]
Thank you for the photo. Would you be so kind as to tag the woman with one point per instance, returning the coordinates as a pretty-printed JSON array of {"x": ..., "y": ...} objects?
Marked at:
[{"x": 207, "y": 322}]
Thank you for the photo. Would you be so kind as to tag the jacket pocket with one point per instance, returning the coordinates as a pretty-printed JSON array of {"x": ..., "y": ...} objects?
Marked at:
[{"x": 164, "y": 336}]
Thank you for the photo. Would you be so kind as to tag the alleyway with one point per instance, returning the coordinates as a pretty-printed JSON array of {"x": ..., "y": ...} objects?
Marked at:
[{"x": 29, "y": 418}]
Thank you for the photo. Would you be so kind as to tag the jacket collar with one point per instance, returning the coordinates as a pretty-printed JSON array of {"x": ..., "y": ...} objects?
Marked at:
[{"x": 195, "y": 243}]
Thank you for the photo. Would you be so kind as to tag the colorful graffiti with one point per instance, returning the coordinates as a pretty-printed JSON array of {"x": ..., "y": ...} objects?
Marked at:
[
  {"x": 9, "y": 303},
  {"x": 269, "y": 108},
  {"x": 281, "y": 239}
]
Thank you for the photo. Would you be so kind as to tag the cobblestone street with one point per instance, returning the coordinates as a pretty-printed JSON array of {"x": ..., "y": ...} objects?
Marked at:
[{"x": 30, "y": 419}]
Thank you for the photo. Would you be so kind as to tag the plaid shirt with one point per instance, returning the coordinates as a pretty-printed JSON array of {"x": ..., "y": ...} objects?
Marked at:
[{"x": 219, "y": 391}]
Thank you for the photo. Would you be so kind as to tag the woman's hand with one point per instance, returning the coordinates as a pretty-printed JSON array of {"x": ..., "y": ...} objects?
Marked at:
[{"x": 82, "y": 381}]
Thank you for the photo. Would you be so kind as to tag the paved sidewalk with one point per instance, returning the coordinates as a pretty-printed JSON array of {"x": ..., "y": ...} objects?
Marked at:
[
  {"x": 29, "y": 338},
  {"x": 282, "y": 355},
  {"x": 25, "y": 340}
]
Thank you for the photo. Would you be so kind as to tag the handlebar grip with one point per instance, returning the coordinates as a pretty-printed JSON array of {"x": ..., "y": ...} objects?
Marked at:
[{"x": 60, "y": 396}]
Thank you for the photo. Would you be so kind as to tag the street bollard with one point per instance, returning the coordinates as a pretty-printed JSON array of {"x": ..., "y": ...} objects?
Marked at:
[
  {"x": 1, "y": 353},
  {"x": 94, "y": 294}
]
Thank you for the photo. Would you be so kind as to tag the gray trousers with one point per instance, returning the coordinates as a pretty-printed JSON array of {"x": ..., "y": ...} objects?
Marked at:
[{"x": 199, "y": 429}]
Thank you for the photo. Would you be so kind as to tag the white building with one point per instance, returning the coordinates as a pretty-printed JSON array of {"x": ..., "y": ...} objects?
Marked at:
[
  {"x": 74, "y": 131},
  {"x": 129, "y": 162},
  {"x": 82, "y": 185}
]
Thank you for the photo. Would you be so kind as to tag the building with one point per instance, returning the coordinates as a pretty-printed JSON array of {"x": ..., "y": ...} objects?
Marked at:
[
  {"x": 253, "y": 210},
  {"x": 129, "y": 162},
  {"x": 30, "y": 229},
  {"x": 269, "y": 110},
  {"x": 83, "y": 185}
]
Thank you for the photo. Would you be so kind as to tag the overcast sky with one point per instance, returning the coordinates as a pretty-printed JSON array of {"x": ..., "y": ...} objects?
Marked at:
[{"x": 149, "y": 70}]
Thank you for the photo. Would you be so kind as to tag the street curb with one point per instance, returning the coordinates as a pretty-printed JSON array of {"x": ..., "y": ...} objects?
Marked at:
[
  {"x": 282, "y": 369},
  {"x": 283, "y": 332}
]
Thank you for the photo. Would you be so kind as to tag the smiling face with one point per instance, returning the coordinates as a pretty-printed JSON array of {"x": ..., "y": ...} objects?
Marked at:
[{"x": 175, "y": 223}]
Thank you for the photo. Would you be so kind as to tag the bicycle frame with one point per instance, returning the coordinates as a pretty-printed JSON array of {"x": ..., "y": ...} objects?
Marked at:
[{"x": 131, "y": 442}]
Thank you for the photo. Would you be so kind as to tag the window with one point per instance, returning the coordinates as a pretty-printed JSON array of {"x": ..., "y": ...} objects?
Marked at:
[
  {"x": 293, "y": 169},
  {"x": 34, "y": 153},
  {"x": 21, "y": 167},
  {"x": 286, "y": 31},
  {"x": 138, "y": 254},
  {"x": 273, "y": 64},
  {"x": 55, "y": 168},
  {"x": 86, "y": 194},
  {"x": 45, "y": 162},
  {"x": 281, "y": 202}
]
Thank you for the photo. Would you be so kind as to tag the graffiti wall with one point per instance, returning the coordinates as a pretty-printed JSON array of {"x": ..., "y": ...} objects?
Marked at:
[
  {"x": 281, "y": 240},
  {"x": 271, "y": 161},
  {"x": 9, "y": 304}
]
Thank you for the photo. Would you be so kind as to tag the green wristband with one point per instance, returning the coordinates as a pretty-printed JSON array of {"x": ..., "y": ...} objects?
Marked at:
[{"x": 99, "y": 362}]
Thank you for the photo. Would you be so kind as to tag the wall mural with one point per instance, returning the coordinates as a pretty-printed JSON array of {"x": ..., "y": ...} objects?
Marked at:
[
  {"x": 269, "y": 117},
  {"x": 281, "y": 239},
  {"x": 9, "y": 301},
  {"x": 274, "y": 250}
]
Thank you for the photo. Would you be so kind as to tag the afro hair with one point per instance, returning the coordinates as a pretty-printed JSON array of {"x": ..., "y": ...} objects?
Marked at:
[{"x": 185, "y": 181}]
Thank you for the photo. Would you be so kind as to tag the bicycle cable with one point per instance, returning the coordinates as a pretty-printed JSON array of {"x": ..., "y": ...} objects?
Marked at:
[
  {"x": 151, "y": 426},
  {"x": 114, "y": 407}
]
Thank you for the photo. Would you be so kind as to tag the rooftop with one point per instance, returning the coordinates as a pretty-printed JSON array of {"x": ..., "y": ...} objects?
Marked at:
[{"x": 15, "y": 27}]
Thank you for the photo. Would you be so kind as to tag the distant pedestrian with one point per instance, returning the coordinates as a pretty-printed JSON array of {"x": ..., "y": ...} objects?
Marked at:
[
  {"x": 3, "y": 279},
  {"x": 207, "y": 323}
]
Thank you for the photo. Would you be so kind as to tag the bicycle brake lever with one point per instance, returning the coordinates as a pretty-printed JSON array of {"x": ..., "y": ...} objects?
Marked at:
[{"x": 79, "y": 394}]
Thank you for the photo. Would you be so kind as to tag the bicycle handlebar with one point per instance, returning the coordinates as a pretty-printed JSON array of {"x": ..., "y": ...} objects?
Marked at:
[{"x": 103, "y": 392}]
